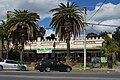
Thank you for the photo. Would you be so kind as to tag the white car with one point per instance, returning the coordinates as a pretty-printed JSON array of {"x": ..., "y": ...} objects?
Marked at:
[{"x": 12, "y": 64}]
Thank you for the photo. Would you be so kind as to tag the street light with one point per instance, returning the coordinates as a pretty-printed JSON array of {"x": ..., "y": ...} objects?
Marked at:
[{"x": 85, "y": 12}]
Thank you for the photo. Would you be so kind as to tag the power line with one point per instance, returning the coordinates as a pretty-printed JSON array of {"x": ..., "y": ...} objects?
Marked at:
[
  {"x": 103, "y": 25},
  {"x": 96, "y": 11},
  {"x": 104, "y": 6},
  {"x": 94, "y": 29}
]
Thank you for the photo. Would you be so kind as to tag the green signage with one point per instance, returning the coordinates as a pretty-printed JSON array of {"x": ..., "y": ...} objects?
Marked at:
[
  {"x": 44, "y": 50},
  {"x": 103, "y": 59}
]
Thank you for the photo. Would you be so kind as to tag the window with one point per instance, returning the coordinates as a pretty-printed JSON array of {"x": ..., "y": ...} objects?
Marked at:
[{"x": 11, "y": 62}]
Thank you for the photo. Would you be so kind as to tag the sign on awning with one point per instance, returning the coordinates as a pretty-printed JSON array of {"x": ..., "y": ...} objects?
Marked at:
[{"x": 44, "y": 50}]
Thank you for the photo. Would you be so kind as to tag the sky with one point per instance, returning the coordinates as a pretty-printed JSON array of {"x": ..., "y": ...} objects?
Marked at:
[{"x": 108, "y": 14}]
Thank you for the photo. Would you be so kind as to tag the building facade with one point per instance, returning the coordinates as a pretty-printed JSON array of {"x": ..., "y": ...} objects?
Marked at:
[{"x": 58, "y": 49}]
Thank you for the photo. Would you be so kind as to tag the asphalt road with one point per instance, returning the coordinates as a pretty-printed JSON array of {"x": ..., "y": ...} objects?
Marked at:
[{"x": 36, "y": 75}]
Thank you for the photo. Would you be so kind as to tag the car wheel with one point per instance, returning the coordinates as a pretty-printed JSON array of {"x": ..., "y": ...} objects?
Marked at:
[
  {"x": 1, "y": 68},
  {"x": 68, "y": 69},
  {"x": 47, "y": 69},
  {"x": 23, "y": 68}
]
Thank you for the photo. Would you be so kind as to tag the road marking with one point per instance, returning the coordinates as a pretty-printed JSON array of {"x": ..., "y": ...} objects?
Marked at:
[{"x": 57, "y": 77}]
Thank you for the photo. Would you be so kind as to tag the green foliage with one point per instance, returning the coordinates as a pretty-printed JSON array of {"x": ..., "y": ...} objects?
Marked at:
[
  {"x": 41, "y": 31},
  {"x": 22, "y": 26},
  {"x": 3, "y": 35},
  {"x": 64, "y": 16},
  {"x": 67, "y": 21},
  {"x": 3, "y": 30},
  {"x": 116, "y": 36},
  {"x": 110, "y": 46}
]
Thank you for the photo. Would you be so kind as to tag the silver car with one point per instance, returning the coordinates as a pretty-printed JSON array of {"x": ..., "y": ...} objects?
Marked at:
[{"x": 12, "y": 64}]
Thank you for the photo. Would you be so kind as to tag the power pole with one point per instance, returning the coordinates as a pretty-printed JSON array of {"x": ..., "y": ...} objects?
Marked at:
[{"x": 85, "y": 11}]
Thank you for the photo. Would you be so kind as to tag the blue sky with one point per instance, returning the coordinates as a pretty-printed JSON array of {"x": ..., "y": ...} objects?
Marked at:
[
  {"x": 91, "y": 7},
  {"x": 109, "y": 13}
]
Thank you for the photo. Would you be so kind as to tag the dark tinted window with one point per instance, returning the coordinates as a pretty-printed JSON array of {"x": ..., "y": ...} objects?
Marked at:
[
  {"x": 47, "y": 61},
  {"x": 11, "y": 62}
]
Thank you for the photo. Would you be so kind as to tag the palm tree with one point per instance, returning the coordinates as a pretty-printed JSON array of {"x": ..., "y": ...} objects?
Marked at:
[
  {"x": 67, "y": 21},
  {"x": 2, "y": 36},
  {"x": 22, "y": 26},
  {"x": 110, "y": 47}
]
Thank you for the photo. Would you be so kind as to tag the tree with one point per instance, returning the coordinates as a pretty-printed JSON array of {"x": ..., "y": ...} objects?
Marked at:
[
  {"x": 53, "y": 36},
  {"x": 22, "y": 26},
  {"x": 67, "y": 20},
  {"x": 41, "y": 32},
  {"x": 116, "y": 36},
  {"x": 90, "y": 35},
  {"x": 2, "y": 36},
  {"x": 110, "y": 47}
]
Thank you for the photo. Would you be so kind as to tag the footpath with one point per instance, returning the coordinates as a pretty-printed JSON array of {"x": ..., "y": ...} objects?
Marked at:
[
  {"x": 115, "y": 69},
  {"x": 77, "y": 68}
]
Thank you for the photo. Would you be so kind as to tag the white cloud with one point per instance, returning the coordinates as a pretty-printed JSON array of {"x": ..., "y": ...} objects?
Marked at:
[
  {"x": 41, "y": 7},
  {"x": 107, "y": 11},
  {"x": 109, "y": 14},
  {"x": 49, "y": 32}
]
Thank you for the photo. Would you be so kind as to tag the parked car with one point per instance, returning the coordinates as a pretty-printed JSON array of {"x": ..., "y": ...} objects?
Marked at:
[
  {"x": 51, "y": 65},
  {"x": 12, "y": 64}
]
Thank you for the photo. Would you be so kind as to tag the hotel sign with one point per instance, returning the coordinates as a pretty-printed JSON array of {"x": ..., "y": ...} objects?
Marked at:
[{"x": 44, "y": 50}]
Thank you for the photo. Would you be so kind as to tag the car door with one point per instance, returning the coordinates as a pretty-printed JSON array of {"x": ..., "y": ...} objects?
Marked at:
[
  {"x": 51, "y": 64},
  {"x": 54, "y": 65},
  {"x": 60, "y": 66},
  {"x": 11, "y": 64},
  {"x": 57, "y": 66}
]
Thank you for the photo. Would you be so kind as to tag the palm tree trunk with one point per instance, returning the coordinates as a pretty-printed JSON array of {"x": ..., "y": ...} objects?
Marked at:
[
  {"x": 68, "y": 51},
  {"x": 7, "y": 48},
  {"x": 68, "y": 46},
  {"x": 1, "y": 52},
  {"x": 67, "y": 37},
  {"x": 21, "y": 56},
  {"x": 2, "y": 46},
  {"x": 21, "y": 52}
]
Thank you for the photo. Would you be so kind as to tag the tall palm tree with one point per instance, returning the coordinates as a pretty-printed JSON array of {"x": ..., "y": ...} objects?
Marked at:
[
  {"x": 22, "y": 26},
  {"x": 2, "y": 36},
  {"x": 67, "y": 21}
]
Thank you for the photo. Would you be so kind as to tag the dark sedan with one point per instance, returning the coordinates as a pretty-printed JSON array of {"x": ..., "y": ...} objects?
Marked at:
[{"x": 51, "y": 65}]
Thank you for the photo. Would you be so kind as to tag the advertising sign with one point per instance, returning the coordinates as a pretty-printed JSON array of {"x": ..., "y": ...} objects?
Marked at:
[
  {"x": 44, "y": 50},
  {"x": 103, "y": 59}
]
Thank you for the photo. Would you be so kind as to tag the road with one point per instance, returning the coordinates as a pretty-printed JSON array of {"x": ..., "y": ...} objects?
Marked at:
[{"x": 36, "y": 75}]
